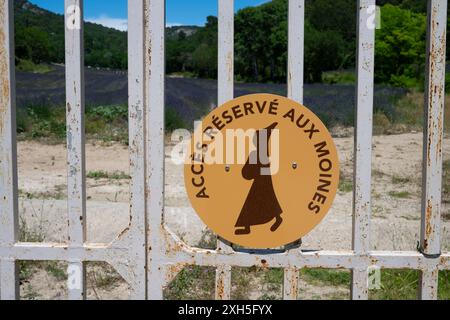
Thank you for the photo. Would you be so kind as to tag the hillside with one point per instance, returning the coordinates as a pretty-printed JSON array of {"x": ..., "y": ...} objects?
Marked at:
[{"x": 40, "y": 38}]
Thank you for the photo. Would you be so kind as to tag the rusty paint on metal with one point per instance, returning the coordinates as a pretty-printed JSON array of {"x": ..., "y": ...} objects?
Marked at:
[
  {"x": 172, "y": 270},
  {"x": 363, "y": 146},
  {"x": 429, "y": 227},
  {"x": 220, "y": 286},
  {"x": 433, "y": 133},
  {"x": 4, "y": 68}
]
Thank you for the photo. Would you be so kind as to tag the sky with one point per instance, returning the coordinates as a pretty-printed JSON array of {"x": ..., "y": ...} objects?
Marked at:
[{"x": 113, "y": 13}]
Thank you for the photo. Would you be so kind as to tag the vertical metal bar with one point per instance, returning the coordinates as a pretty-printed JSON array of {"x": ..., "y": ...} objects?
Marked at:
[
  {"x": 291, "y": 283},
  {"x": 359, "y": 289},
  {"x": 225, "y": 93},
  {"x": 155, "y": 85},
  {"x": 433, "y": 130},
  {"x": 296, "y": 44},
  {"x": 75, "y": 142},
  {"x": 428, "y": 289},
  {"x": 296, "y": 49},
  {"x": 9, "y": 283},
  {"x": 363, "y": 141},
  {"x": 9, "y": 280},
  {"x": 430, "y": 243},
  {"x": 223, "y": 278},
  {"x": 76, "y": 280},
  {"x": 136, "y": 87},
  {"x": 226, "y": 51}
]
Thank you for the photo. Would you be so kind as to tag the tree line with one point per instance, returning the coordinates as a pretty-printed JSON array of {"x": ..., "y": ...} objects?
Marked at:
[
  {"x": 330, "y": 42},
  {"x": 39, "y": 37},
  {"x": 260, "y": 42}
]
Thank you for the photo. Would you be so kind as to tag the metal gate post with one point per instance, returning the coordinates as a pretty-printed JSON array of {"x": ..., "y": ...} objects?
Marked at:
[
  {"x": 155, "y": 85},
  {"x": 225, "y": 93},
  {"x": 76, "y": 170},
  {"x": 9, "y": 222},
  {"x": 136, "y": 105},
  {"x": 430, "y": 243},
  {"x": 363, "y": 144},
  {"x": 295, "y": 81}
]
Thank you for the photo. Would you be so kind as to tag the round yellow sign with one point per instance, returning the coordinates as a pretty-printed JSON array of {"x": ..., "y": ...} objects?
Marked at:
[{"x": 262, "y": 171}]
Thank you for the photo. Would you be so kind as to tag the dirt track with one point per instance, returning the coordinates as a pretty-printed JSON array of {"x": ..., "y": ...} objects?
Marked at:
[
  {"x": 396, "y": 194},
  {"x": 42, "y": 182}
]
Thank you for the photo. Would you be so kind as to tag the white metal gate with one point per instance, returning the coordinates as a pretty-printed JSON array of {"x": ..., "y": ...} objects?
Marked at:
[{"x": 147, "y": 254}]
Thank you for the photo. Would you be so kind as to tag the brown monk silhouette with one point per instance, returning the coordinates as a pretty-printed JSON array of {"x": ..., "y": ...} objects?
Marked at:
[{"x": 261, "y": 205}]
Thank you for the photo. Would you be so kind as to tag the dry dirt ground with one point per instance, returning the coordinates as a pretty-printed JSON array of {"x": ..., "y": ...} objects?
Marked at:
[{"x": 42, "y": 183}]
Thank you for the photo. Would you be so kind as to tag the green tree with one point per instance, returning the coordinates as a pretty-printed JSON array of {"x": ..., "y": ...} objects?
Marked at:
[
  {"x": 324, "y": 50},
  {"x": 204, "y": 60},
  {"x": 261, "y": 41},
  {"x": 204, "y": 55},
  {"x": 336, "y": 15},
  {"x": 400, "y": 46},
  {"x": 36, "y": 44},
  {"x": 418, "y": 6}
]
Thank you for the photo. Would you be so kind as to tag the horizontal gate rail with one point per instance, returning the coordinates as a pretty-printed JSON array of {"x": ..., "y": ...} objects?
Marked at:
[
  {"x": 181, "y": 254},
  {"x": 148, "y": 255}
]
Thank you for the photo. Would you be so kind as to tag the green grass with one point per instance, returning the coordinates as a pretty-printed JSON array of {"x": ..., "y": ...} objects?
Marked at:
[
  {"x": 274, "y": 276},
  {"x": 60, "y": 193},
  {"x": 381, "y": 122},
  {"x": 41, "y": 122},
  {"x": 105, "y": 123},
  {"x": 444, "y": 285},
  {"x": 404, "y": 284},
  {"x": 30, "y": 293},
  {"x": 102, "y": 276},
  {"x": 28, "y": 234},
  {"x": 406, "y": 115},
  {"x": 401, "y": 180},
  {"x": 173, "y": 120},
  {"x": 241, "y": 279},
  {"x": 29, "y": 66},
  {"x": 196, "y": 282},
  {"x": 56, "y": 270},
  {"x": 339, "y": 77},
  {"x": 327, "y": 276},
  {"x": 409, "y": 111},
  {"x": 345, "y": 183},
  {"x": 110, "y": 123},
  {"x": 26, "y": 270},
  {"x": 446, "y": 182},
  {"x": 400, "y": 194},
  {"x": 345, "y": 186},
  {"x": 108, "y": 175},
  {"x": 181, "y": 74},
  {"x": 33, "y": 235},
  {"x": 192, "y": 283},
  {"x": 397, "y": 285}
]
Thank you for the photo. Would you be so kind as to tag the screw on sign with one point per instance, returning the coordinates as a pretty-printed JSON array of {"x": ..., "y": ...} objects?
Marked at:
[{"x": 262, "y": 171}]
